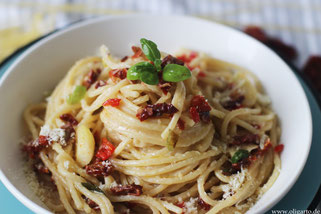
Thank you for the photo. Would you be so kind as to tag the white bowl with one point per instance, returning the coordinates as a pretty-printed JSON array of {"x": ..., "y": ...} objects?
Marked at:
[{"x": 46, "y": 62}]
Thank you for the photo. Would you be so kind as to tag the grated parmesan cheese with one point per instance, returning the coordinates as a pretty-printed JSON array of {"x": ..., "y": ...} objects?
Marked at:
[
  {"x": 191, "y": 206},
  {"x": 56, "y": 135},
  {"x": 236, "y": 182}
]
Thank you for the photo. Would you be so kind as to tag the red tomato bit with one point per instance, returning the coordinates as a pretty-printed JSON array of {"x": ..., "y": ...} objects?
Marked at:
[
  {"x": 91, "y": 77},
  {"x": 234, "y": 103},
  {"x": 118, "y": 73},
  {"x": 201, "y": 74},
  {"x": 100, "y": 83},
  {"x": 35, "y": 146},
  {"x": 69, "y": 119},
  {"x": 137, "y": 52},
  {"x": 99, "y": 168},
  {"x": 155, "y": 111},
  {"x": 199, "y": 109},
  {"x": 203, "y": 204},
  {"x": 279, "y": 148},
  {"x": 124, "y": 59},
  {"x": 169, "y": 59},
  {"x": 106, "y": 150},
  {"x": 112, "y": 102},
  {"x": 246, "y": 139},
  {"x": 130, "y": 189},
  {"x": 181, "y": 124}
]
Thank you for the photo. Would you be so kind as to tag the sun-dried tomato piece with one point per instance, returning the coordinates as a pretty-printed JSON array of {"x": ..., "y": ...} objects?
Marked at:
[
  {"x": 284, "y": 50},
  {"x": 205, "y": 206},
  {"x": 181, "y": 124},
  {"x": 69, "y": 132},
  {"x": 200, "y": 103},
  {"x": 165, "y": 86},
  {"x": 169, "y": 59},
  {"x": 194, "y": 114},
  {"x": 91, "y": 77},
  {"x": 106, "y": 150},
  {"x": 246, "y": 139},
  {"x": 279, "y": 148},
  {"x": 118, "y": 73},
  {"x": 124, "y": 59},
  {"x": 100, "y": 168},
  {"x": 199, "y": 109},
  {"x": 131, "y": 189},
  {"x": 43, "y": 140},
  {"x": 188, "y": 58},
  {"x": 137, "y": 52},
  {"x": 91, "y": 203},
  {"x": 35, "y": 146},
  {"x": 69, "y": 119},
  {"x": 155, "y": 110},
  {"x": 234, "y": 103},
  {"x": 312, "y": 69},
  {"x": 100, "y": 83},
  {"x": 201, "y": 74},
  {"x": 112, "y": 102}
]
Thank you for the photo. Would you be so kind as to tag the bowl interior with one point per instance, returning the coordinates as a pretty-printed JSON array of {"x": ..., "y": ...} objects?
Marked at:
[{"x": 41, "y": 67}]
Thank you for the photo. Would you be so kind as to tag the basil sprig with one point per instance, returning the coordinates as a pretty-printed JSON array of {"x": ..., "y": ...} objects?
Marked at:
[{"x": 147, "y": 72}]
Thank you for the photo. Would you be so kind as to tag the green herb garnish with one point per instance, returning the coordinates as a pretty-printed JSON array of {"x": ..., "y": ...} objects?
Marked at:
[
  {"x": 92, "y": 187},
  {"x": 78, "y": 93},
  {"x": 150, "y": 49},
  {"x": 239, "y": 155},
  {"x": 176, "y": 73},
  {"x": 148, "y": 72}
]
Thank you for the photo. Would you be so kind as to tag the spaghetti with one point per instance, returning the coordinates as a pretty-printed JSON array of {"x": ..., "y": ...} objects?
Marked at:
[{"x": 202, "y": 145}]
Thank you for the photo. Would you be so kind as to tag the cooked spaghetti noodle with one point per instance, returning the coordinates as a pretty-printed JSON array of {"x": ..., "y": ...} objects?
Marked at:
[{"x": 182, "y": 162}]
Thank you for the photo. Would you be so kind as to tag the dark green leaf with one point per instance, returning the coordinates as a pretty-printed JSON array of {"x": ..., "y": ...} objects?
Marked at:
[
  {"x": 158, "y": 63},
  {"x": 78, "y": 93},
  {"x": 239, "y": 155},
  {"x": 92, "y": 187},
  {"x": 144, "y": 71},
  {"x": 135, "y": 71},
  {"x": 176, "y": 73},
  {"x": 150, "y": 49},
  {"x": 150, "y": 78}
]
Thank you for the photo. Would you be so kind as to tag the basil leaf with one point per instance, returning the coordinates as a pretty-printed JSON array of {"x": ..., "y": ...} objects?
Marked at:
[
  {"x": 176, "y": 73},
  {"x": 150, "y": 49},
  {"x": 158, "y": 64},
  {"x": 144, "y": 71},
  {"x": 239, "y": 155},
  {"x": 150, "y": 78},
  {"x": 92, "y": 187},
  {"x": 78, "y": 93}
]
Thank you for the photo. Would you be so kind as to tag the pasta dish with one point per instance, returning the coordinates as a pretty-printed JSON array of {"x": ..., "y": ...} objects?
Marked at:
[{"x": 154, "y": 133}]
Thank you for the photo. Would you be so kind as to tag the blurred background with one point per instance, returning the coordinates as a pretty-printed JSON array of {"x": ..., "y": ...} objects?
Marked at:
[{"x": 296, "y": 22}]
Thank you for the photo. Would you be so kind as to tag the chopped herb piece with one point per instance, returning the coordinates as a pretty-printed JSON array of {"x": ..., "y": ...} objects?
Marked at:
[{"x": 78, "y": 93}]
